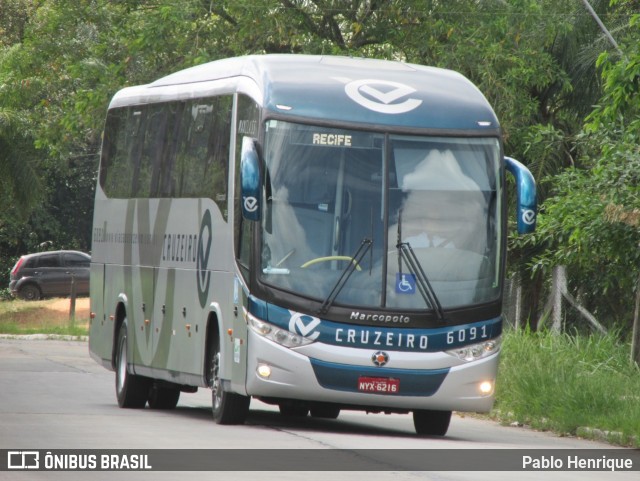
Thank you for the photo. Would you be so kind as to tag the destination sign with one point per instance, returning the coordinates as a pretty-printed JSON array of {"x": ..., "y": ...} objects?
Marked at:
[
  {"x": 332, "y": 139},
  {"x": 323, "y": 137}
]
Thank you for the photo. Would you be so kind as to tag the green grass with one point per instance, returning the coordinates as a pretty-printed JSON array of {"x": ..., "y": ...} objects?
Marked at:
[
  {"x": 18, "y": 329},
  {"x": 51, "y": 316},
  {"x": 565, "y": 383}
]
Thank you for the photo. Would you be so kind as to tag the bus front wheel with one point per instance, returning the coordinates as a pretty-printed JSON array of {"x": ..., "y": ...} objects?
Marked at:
[
  {"x": 131, "y": 390},
  {"x": 227, "y": 407},
  {"x": 431, "y": 423}
]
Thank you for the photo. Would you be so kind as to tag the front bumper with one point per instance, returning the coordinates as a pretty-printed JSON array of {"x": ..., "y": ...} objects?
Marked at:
[{"x": 324, "y": 373}]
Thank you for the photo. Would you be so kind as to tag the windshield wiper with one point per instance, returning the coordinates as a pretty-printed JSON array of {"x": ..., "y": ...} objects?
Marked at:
[
  {"x": 364, "y": 247},
  {"x": 422, "y": 281}
]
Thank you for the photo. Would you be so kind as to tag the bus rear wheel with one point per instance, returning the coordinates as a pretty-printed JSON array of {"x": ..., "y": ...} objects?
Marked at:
[
  {"x": 227, "y": 407},
  {"x": 431, "y": 423},
  {"x": 131, "y": 390}
]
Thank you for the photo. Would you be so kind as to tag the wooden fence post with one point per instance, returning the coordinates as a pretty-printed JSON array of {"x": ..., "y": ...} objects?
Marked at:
[
  {"x": 558, "y": 286},
  {"x": 72, "y": 301},
  {"x": 635, "y": 338}
]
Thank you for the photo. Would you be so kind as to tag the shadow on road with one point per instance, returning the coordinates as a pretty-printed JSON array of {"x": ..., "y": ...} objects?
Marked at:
[{"x": 345, "y": 424}]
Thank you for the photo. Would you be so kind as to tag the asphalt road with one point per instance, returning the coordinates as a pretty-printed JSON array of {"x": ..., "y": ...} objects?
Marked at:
[{"x": 53, "y": 396}]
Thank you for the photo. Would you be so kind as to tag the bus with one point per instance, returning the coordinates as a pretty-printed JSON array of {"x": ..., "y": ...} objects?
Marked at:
[{"x": 319, "y": 233}]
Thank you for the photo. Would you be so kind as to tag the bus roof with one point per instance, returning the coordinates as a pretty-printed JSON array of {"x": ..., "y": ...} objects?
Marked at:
[{"x": 350, "y": 90}]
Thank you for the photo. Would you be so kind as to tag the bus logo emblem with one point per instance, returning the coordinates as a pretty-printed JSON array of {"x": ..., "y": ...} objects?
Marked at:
[
  {"x": 528, "y": 217},
  {"x": 250, "y": 204},
  {"x": 304, "y": 325},
  {"x": 202, "y": 261},
  {"x": 382, "y": 96}
]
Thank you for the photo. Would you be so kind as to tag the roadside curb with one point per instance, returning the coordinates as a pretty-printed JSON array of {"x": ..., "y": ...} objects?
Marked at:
[
  {"x": 611, "y": 437},
  {"x": 43, "y": 337}
]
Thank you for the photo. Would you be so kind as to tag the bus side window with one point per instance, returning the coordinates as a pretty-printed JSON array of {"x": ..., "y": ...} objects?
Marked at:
[
  {"x": 174, "y": 149},
  {"x": 116, "y": 170},
  {"x": 202, "y": 151},
  {"x": 141, "y": 178},
  {"x": 216, "y": 159},
  {"x": 155, "y": 148}
]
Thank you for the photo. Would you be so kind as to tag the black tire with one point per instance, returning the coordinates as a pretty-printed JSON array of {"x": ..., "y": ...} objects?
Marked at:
[
  {"x": 30, "y": 292},
  {"x": 431, "y": 423},
  {"x": 162, "y": 397},
  {"x": 293, "y": 409},
  {"x": 227, "y": 407},
  {"x": 325, "y": 411},
  {"x": 131, "y": 390}
]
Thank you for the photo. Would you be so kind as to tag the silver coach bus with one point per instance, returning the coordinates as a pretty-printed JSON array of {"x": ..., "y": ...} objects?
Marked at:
[{"x": 319, "y": 233}]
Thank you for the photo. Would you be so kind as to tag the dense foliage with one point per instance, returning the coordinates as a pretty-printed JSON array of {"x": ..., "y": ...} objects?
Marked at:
[{"x": 544, "y": 65}]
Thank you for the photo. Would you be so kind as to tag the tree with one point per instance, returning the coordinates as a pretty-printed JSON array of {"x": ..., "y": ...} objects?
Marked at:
[
  {"x": 591, "y": 221},
  {"x": 18, "y": 181},
  {"x": 14, "y": 18}
]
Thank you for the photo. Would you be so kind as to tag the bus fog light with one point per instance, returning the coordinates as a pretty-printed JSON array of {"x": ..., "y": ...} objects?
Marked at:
[
  {"x": 486, "y": 387},
  {"x": 264, "y": 371}
]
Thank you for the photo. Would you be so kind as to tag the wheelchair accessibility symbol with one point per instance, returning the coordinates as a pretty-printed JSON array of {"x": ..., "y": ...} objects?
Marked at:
[{"x": 405, "y": 283}]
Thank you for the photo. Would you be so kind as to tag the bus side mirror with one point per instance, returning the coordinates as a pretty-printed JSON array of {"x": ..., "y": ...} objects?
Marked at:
[
  {"x": 250, "y": 180},
  {"x": 526, "y": 195}
]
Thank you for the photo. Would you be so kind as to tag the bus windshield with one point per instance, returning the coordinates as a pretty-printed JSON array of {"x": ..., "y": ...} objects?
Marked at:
[{"x": 399, "y": 216}]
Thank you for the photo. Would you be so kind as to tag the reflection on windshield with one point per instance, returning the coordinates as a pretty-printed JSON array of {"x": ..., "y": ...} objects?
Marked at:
[{"x": 440, "y": 195}]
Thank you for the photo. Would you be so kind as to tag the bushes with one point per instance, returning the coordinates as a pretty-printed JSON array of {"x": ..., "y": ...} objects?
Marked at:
[{"x": 561, "y": 382}]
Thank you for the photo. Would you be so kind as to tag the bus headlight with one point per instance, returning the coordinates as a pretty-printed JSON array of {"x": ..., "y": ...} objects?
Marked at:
[
  {"x": 276, "y": 334},
  {"x": 473, "y": 352}
]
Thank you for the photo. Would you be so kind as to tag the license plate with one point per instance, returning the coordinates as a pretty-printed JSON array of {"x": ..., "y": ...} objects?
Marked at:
[{"x": 378, "y": 385}]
